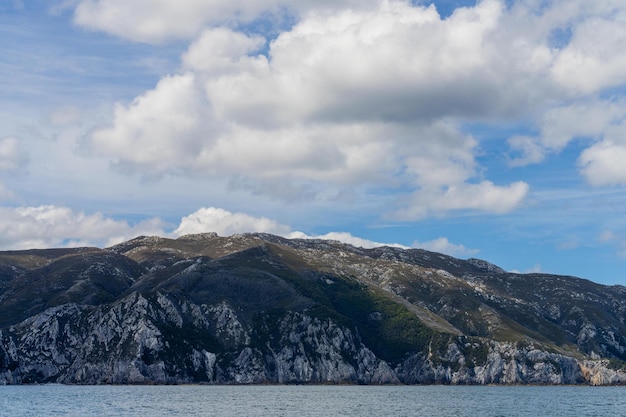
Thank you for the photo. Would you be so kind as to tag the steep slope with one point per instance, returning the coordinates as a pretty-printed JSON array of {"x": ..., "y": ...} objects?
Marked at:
[
  {"x": 88, "y": 276},
  {"x": 480, "y": 299},
  {"x": 258, "y": 308}
]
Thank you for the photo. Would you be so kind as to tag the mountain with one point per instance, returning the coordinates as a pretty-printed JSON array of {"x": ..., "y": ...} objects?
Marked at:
[{"x": 257, "y": 308}]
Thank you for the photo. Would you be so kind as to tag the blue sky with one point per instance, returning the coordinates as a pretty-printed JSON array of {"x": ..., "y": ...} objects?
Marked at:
[{"x": 490, "y": 129}]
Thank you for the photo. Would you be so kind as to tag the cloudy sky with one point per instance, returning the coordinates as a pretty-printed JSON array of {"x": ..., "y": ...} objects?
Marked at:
[{"x": 493, "y": 129}]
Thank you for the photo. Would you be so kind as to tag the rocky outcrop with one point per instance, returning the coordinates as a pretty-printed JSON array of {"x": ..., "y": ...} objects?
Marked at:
[
  {"x": 255, "y": 309},
  {"x": 160, "y": 340},
  {"x": 138, "y": 340},
  {"x": 504, "y": 364}
]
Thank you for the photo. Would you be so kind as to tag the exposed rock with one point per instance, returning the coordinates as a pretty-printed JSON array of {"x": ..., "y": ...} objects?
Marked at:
[{"x": 262, "y": 309}]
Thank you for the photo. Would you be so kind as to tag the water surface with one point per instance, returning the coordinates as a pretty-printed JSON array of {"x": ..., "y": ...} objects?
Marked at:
[{"x": 309, "y": 401}]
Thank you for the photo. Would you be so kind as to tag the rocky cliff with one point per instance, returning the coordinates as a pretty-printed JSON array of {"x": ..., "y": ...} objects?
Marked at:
[{"x": 262, "y": 309}]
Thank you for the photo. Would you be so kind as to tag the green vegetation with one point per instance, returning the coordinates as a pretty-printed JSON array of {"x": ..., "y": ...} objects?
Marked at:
[
  {"x": 617, "y": 365},
  {"x": 386, "y": 327},
  {"x": 266, "y": 280}
]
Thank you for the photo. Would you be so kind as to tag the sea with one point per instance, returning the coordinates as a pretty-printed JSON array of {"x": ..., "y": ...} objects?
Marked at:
[{"x": 311, "y": 400}]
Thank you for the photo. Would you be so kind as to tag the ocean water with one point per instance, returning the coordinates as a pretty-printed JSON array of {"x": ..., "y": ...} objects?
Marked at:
[{"x": 309, "y": 401}]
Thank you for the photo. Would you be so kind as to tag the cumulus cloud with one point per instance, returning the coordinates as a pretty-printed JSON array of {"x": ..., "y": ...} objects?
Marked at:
[
  {"x": 397, "y": 63},
  {"x": 590, "y": 119},
  {"x": 54, "y": 226},
  {"x": 369, "y": 95},
  {"x": 603, "y": 163},
  {"x": 484, "y": 196},
  {"x": 587, "y": 60},
  {"x": 156, "y": 21},
  {"x": 160, "y": 126},
  {"x": 443, "y": 245},
  {"x": 342, "y": 99},
  {"x": 591, "y": 61},
  {"x": 226, "y": 223},
  {"x": 219, "y": 51},
  {"x": 346, "y": 237}
]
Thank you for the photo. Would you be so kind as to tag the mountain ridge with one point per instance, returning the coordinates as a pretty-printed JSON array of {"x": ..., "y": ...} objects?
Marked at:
[{"x": 259, "y": 308}]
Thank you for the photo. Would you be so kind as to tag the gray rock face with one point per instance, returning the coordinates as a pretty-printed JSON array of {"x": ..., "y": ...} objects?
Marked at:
[
  {"x": 504, "y": 364},
  {"x": 159, "y": 340},
  {"x": 138, "y": 340},
  {"x": 255, "y": 309}
]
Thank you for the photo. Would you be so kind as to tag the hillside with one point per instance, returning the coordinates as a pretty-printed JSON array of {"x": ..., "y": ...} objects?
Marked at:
[{"x": 258, "y": 308}]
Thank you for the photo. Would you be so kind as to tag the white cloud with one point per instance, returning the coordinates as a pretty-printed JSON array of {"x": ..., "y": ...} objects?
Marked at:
[
  {"x": 526, "y": 150},
  {"x": 586, "y": 118},
  {"x": 346, "y": 237},
  {"x": 484, "y": 196},
  {"x": 599, "y": 122},
  {"x": 53, "y": 226},
  {"x": 593, "y": 59},
  {"x": 155, "y": 21},
  {"x": 159, "y": 131},
  {"x": 535, "y": 269},
  {"x": 368, "y": 96},
  {"x": 587, "y": 60},
  {"x": 443, "y": 245},
  {"x": 225, "y": 223},
  {"x": 396, "y": 63},
  {"x": 603, "y": 164},
  {"x": 220, "y": 51},
  {"x": 347, "y": 99}
]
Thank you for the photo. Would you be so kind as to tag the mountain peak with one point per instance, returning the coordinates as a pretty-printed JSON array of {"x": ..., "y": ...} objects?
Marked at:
[{"x": 263, "y": 308}]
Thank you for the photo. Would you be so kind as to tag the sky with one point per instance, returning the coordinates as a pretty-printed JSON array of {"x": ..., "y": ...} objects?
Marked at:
[{"x": 490, "y": 129}]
